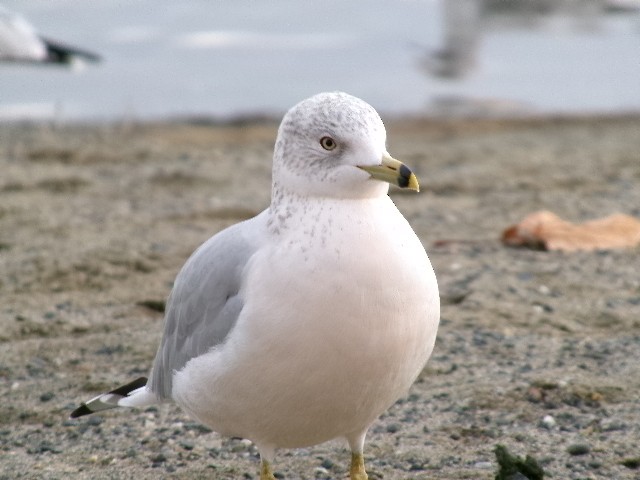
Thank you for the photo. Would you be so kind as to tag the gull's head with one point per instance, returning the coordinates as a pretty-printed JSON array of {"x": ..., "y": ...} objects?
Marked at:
[{"x": 333, "y": 145}]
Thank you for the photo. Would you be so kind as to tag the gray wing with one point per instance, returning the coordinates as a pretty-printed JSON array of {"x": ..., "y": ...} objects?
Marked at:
[{"x": 205, "y": 302}]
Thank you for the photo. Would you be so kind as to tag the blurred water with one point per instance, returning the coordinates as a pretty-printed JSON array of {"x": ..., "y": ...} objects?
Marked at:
[{"x": 226, "y": 58}]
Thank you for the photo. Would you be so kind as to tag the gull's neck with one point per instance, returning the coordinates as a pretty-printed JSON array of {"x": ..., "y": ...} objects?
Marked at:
[{"x": 289, "y": 208}]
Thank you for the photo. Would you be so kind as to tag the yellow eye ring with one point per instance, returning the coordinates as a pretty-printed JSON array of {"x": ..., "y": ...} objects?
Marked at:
[{"x": 328, "y": 143}]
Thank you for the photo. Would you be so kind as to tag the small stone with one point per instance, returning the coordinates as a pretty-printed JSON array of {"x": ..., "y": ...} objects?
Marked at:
[
  {"x": 535, "y": 394},
  {"x": 595, "y": 464},
  {"x": 327, "y": 464},
  {"x": 483, "y": 465},
  {"x": 612, "y": 425},
  {"x": 578, "y": 449},
  {"x": 320, "y": 472},
  {"x": 95, "y": 420},
  {"x": 130, "y": 453},
  {"x": 548, "y": 422},
  {"x": 187, "y": 444},
  {"x": 632, "y": 463},
  {"x": 542, "y": 308},
  {"x": 393, "y": 428},
  {"x": 158, "y": 458},
  {"x": 46, "y": 396},
  {"x": 43, "y": 447}
]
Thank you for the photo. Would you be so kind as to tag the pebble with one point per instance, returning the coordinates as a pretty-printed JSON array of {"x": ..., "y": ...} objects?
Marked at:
[
  {"x": 46, "y": 396},
  {"x": 187, "y": 444},
  {"x": 159, "y": 458},
  {"x": 548, "y": 422},
  {"x": 612, "y": 425},
  {"x": 542, "y": 308},
  {"x": 393, "y": 428},
  {"x": 95, "y": 420},
  {"x": 633, "y": 463},
  {"x": 42, "y": 447},
  {"x": 578, "y": 449},
  {"x": 327, "y": 463},
  {"x": 320, "y": 472}
]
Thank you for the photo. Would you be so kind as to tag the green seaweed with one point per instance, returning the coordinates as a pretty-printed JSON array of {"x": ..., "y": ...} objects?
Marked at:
[{"x": 512, "y": 465}]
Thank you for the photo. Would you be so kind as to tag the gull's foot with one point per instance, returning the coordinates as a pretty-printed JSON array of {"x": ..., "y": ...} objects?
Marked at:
[
  {"x": 357, "y": 471},
  {"x": 265, "y": 471}
]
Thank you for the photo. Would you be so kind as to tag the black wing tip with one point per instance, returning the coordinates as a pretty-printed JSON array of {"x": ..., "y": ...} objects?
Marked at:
[
  {"x": 81, "y": 411},
  {"x": 123, "y": 391},
  {"x": 58, "y": 52},
  {"x": 126, "y": 389}
]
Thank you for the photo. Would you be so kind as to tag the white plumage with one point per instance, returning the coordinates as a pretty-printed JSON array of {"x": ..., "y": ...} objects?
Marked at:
[{"x": 308, "y": 321}]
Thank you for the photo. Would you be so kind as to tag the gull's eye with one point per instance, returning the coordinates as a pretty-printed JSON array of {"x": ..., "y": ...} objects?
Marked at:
[{"x": 328, "y": 143}]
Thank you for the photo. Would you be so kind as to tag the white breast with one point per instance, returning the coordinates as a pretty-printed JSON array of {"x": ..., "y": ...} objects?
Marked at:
[{"x": 350, "y": 340}]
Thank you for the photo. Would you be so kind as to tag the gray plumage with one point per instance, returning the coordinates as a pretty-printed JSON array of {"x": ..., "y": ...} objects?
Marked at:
[{"x": 204, "y": 304}]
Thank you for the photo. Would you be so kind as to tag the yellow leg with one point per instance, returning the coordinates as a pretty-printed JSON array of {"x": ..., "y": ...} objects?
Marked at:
[
  {"x": 357, "y": 472},
  {"x": 265, "y": 471}
]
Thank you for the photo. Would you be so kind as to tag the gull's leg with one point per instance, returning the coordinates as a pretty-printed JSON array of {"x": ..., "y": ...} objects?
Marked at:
[
  {"x": 356, "y": 443},
  {"x": 267, "y": 454},
  {"x": 357, "y": 471},
  {"x": 265, "y": 470}
]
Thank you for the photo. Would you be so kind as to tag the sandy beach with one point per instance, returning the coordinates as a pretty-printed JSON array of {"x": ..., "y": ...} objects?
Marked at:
[{"x": 537, "y": 351}]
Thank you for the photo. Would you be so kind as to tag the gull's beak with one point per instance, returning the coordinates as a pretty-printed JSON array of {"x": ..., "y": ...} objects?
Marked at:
[{"x": 393, "y": 172}]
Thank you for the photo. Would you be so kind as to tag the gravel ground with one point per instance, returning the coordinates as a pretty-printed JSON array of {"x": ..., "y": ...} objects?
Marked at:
[{"x": 537, "y": 351}]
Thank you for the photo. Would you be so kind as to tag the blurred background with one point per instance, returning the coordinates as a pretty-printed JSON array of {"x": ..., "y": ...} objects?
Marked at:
[{"x": 226, "y": 59}]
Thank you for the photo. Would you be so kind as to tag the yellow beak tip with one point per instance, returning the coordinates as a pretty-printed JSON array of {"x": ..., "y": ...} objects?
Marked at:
[{"x": 413, "y": 183}]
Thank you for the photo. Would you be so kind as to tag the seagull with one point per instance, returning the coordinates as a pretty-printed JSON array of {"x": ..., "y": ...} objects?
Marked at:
[
  {"x": 19, "y": 42},
  {"x": 306, "y": 322},
  {"x": 462, "y": 26}
]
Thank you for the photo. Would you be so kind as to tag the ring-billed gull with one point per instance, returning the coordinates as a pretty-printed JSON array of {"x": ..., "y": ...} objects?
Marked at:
[{"x": 306, "y": 322}]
